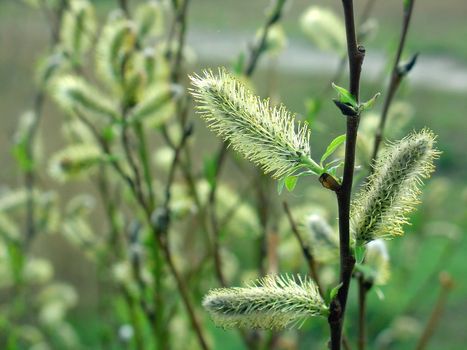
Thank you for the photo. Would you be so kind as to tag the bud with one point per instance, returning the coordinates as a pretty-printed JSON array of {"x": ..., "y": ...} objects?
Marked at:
[
  {"x": 149, "y": 19},
  {"x": 320, "y": 238},
  {"x": 377, "y": 259},
  {"x": 78, "y": 28},
  {"x": 76, "y": 95},
  {"x": 74, "y": 160},
  {"x": 324, "y": 29}
]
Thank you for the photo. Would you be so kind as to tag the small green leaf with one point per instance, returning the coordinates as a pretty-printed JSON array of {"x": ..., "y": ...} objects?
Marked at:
[
  {"x": 280, "y": 185},
  {"x": 334, "y": 291},
  {"x": 369, "y": 104},
  {"x": 345, "y": 96},
  {"x": 359, "y": 253},
  {"x": 291, "y": 182},
  {"x": 332, "y": 147}
]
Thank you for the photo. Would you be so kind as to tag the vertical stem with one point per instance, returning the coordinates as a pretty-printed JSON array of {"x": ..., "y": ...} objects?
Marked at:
[
  {"x": 124, "y": 6},
  {"x": 256, "y": 51},
  {"x": 446, "y": 286},
  {"x": 347, "y": 261},
  {"x": 363, "y": 288},
  {"x": 305, "y": 249},
  {"x": 396, "y": 77}
]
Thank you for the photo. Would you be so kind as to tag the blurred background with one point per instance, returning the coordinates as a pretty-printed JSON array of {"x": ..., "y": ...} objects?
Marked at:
[{"x": 435, "y": 93}]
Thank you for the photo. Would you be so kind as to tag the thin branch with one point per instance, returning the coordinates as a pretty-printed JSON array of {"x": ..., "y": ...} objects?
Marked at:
[
  {"x": 446, "y": 287},
  {"x": 307, "y": 254},
  {"x": 123, "y": 4},
  {"x": 256, "y": 50},
  {"x": 363, "y": 288},
  {"x": 38, "y": 106},
  {"x": 160, "y": 225},
  {"x": 397, "y": 75},
  {"x": 254, "y": 55},
  {"x": 180, "y": 21},
  {"x": 356, "y": 55}
]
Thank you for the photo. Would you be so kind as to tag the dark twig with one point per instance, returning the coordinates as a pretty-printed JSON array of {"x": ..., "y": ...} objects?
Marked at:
[
  {"x": 125, "y": 8},
  {"x": 363, "y": 288},
  {"x": 397, "y": 74},
  {"x": 161, "y": 224},
  {"x": 180, "y": 22},
  {"x": 356, "y": 55}
]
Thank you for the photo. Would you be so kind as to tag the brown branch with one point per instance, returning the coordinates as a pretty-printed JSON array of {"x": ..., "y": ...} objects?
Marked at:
[
  {"x": 363, "y": 288},
  {"x": 307, "y": 254},
  {"x": 446, "y": 286},
  {"x": 397, "y": 75},
  {"x": 160, "y": 225},
  {"x": 356, "y": 55}
]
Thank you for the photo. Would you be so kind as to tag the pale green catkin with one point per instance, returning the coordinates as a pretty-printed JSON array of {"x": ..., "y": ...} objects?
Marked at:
[
  {"x": 392, "y": 191},
  {"x": 377, "y": 259},
  {"x": 319, "y": 236},
  {"x": 268, "y": 136},
  {"x": 273, "y": 302}
]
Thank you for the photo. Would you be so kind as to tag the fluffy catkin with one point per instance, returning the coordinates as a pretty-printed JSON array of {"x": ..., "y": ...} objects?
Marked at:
[
  {"x": 274, "y": 302},
  {"x": 381, "y": 207},
  {"x": 268, "y": 136}
]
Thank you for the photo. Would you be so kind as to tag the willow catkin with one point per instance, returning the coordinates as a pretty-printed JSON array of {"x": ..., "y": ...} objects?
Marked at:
[
  {"x": 381, "y": 207},
  {"x": 273, "y": 302},
  {"x": 268, "y": 136}
]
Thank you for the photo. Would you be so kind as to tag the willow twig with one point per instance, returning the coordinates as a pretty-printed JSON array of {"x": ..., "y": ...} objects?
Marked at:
[
  {"x": 446, "y": 287},
  {"x": 397, "y": 75},
  {"x": 308, "y": 255},
  {"x": 356, "y": 55}
]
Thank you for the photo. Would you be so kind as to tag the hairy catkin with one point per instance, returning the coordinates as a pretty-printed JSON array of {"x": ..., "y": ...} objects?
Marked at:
[
  {"x": 268, "y": 136},
  {"x": 392, "y": 191},
  {"x": 274, "y": 302}
]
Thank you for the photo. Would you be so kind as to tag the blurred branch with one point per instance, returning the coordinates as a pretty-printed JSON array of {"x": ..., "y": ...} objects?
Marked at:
[
  {"x": 258, "y": 48},
  {"x": 397, "y": 74},
  {"x": 125, "y": 8},
  {"x": 308, "y": 255},
  {"x": 366, "y": 13},
  {"x": 38, "y": 105},
  {"x": 447, "y": 284},
  {"x": 254, "y": 55},
  {"x": 363, "y": 289}
]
